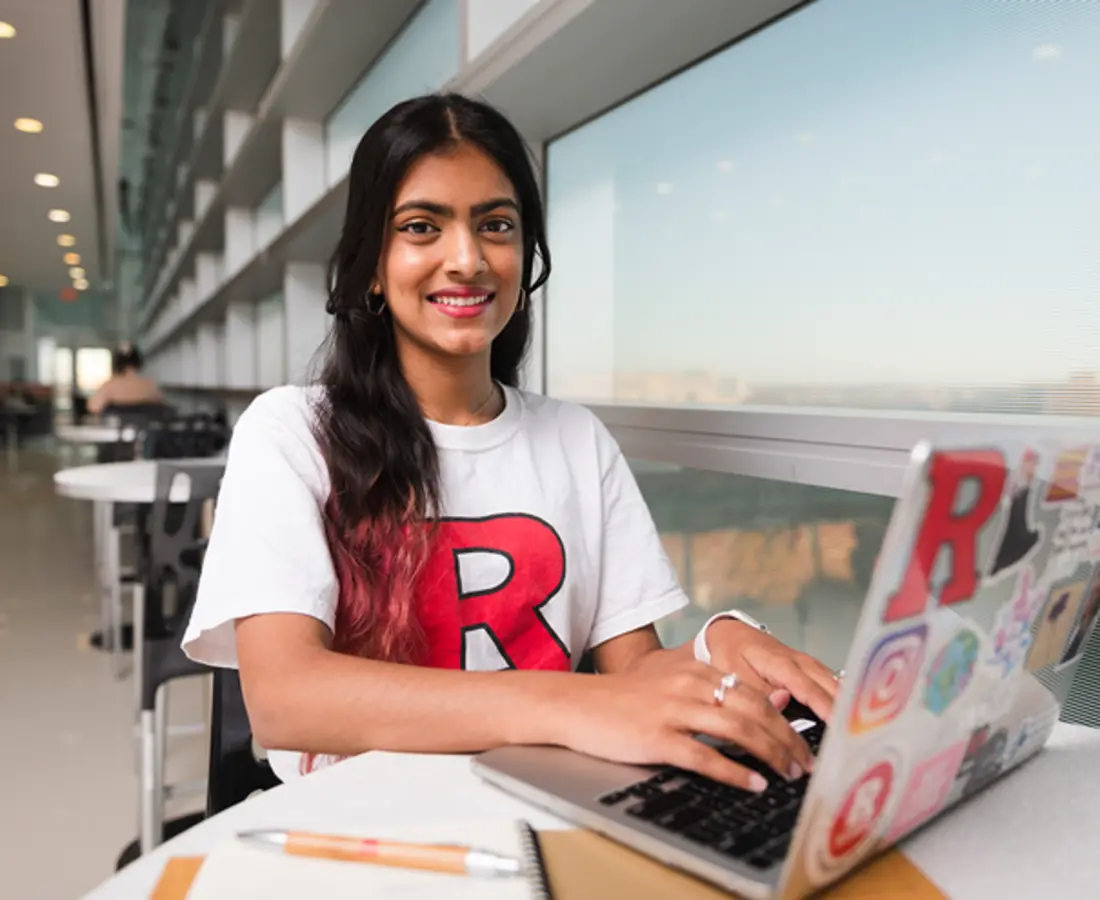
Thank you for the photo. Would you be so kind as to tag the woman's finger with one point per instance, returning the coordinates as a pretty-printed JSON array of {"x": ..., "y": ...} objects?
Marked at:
[
  {"x": 820, "y": 673},
  {"x": 783, "y": 672},
  {"x": 753, "y": 711},
  {"x": 748, "y": 718},
  {"x": 695, "y": 756},
  {"x": 780, "y": 698}
]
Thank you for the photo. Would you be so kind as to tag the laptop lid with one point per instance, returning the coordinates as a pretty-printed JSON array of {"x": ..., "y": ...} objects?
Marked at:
[{"x": 984, "y": 594}]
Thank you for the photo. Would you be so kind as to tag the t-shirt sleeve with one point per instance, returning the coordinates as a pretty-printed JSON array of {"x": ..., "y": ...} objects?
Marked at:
[
  {"x": 267, "y": 551},
  {"x": 638, "y": 584}
]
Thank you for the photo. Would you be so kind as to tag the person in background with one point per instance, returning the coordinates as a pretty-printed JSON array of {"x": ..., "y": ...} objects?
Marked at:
[
  {"x": 126, "y": 386},
  {"x": 414, "y": 553}
]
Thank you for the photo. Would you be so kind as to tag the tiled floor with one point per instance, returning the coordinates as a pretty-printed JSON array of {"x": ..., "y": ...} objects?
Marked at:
[{"x": 68, "y": 775}]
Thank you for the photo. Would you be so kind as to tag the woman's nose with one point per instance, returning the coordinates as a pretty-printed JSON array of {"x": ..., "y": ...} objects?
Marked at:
[{"x": 464, "y": 257}]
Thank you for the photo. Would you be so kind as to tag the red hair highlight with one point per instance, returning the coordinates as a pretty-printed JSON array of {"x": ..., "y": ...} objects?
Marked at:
[{"x": 378, "y": 563}]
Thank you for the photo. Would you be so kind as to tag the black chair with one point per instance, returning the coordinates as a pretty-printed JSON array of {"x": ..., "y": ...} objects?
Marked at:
[
  {"x": 130, "y": 418},
  {"x": 169, "y": 583},
  {"x": 183, "y": 437},
  {"x": 234, "y": 773}
]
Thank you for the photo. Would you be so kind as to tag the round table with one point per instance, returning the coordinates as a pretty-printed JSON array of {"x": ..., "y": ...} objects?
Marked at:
[
  {"x": 124, "y": 482},
  {"x": 1042, "y": 817}
]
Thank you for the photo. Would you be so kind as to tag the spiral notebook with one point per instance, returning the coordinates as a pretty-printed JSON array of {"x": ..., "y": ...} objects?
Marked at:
[{"x": 579, "y": 865}]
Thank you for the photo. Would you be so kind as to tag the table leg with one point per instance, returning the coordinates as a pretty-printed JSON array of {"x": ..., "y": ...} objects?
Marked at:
[
  {"x": 101, "y": 521},
  {"x": 12, "y": 445}
]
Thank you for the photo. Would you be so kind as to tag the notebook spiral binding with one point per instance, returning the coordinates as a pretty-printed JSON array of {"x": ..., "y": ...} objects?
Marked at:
[{"x": 534, "y": 866}]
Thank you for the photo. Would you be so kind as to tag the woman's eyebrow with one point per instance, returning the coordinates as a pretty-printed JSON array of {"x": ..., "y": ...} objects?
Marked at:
[{"x": 441, "y": 209}]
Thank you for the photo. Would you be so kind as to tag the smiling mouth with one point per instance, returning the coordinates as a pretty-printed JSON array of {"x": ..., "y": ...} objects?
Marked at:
[{"x": 453, "y": 301}]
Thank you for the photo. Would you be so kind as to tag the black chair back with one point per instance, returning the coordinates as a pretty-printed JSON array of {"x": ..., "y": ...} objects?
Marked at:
[
  {"x": 131, "y": 419},
  {"x": 173, "y": 557},
  {"x": 235, "y": 773},
  {"x": 183, "y": 437}
]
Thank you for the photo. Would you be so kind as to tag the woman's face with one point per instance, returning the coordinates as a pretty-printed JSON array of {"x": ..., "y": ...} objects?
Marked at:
[{"x": 452, "y": 257}]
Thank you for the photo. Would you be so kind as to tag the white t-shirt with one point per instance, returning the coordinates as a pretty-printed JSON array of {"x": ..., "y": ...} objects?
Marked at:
[{"x": 545, "y": 543}]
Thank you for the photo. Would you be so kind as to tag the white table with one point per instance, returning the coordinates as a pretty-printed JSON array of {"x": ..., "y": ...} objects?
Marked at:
[
  {"x": 124, "y": 482},
  {"x": 1031, "y": 835}
]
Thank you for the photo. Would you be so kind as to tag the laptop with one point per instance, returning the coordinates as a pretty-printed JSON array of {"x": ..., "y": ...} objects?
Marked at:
[{"x": 982, "y": 600}]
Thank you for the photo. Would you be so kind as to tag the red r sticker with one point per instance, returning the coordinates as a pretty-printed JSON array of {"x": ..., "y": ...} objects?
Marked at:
[{"x": 862, "y": 810}]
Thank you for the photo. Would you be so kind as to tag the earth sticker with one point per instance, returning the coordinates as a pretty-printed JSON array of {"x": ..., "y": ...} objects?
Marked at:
[{"x": 951, "y": 671}]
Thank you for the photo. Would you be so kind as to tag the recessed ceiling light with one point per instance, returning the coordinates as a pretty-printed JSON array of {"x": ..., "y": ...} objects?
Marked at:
[
  {"x": 31, "y": 126},
  {"x": 65, "y": 240},
  {"x": 7, "y": 30},
  {"x": 76, "y": 272},
  {"x": 72, "y": 259},
  {"x": 3, "y": 280},
  {"x": 81, "y": 284},
  {"x": 58, "y": 215},
  {"x": 45, "y": 179}
]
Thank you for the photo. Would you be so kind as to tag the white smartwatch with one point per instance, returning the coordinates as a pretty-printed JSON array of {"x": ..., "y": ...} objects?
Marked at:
[{"x": 702, "y": 651}]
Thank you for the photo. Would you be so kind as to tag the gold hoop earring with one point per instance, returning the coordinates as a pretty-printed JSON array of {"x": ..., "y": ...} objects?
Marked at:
[{"x": 381, "y": 305}]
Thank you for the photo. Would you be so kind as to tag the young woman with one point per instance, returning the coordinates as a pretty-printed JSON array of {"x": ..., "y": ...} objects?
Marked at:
[
  {"x": 126, "y": 386},
  {"x": 413, "y": 554}
]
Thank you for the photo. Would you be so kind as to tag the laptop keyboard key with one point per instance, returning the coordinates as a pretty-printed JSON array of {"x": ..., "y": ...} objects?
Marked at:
[
  {"x": 653, "y": 807},
  {"x": 683, "y": 818}
]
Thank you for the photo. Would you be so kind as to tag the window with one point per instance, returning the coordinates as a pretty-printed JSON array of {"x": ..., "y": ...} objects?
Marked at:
[
  {"x": 93, "y": 367},
  {"x": 865, "y": 205},
  {"x": 794, "y": 556}
]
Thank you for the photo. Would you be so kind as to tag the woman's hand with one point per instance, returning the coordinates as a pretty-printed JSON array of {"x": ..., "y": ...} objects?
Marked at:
[
  {"x": 770, "y": 666},
  {"x": 650, "y": 715}
]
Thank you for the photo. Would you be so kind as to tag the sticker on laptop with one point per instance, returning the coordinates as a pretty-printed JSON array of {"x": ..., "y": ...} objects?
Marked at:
[
  {"x": 1020, "y": 535},
  {"x": 1065, "y": 481},
  {"x": 975, "y": 481},
  {"x": 1010, "y": 635},
  {"x": 926, "y": 791},
  {"x": 1031, "y": 736},
  {"x": 951, "y": 671},
  {"x": 852, "y": 828},
  {"x": 1082, "y": 629},
  {"x": 1055, "y": 624},
  {"x": 1074, "y": 531},
  {"x": 984, "y": 758},
  {"x": 889, "y": 679}
]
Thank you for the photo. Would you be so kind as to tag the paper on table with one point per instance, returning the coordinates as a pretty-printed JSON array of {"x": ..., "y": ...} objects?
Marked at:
[{"x": 235, "y": 870}]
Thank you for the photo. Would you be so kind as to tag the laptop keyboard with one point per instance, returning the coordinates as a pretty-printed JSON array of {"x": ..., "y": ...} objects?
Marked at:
[{"x": 752, "y": 828}]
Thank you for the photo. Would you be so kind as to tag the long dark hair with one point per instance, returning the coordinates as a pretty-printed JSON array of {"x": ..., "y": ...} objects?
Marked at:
[{"x": 382, "y": 461}]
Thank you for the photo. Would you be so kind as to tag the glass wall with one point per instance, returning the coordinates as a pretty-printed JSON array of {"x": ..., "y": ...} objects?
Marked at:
[
  {"x": 870, "y": 203},
  {"x": 794, "y": 556}
]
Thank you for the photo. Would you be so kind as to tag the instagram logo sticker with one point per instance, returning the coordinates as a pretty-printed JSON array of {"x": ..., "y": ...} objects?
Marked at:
[{"x": 888, "y": 679}]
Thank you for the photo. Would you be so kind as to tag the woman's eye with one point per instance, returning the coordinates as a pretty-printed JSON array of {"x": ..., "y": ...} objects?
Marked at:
[
  {"x": 417, "y": 228},
  {"x": 499, "y": 226}
]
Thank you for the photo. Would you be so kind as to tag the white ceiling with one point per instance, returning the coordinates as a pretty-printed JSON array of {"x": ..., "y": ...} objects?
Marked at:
[{"x": 45, "y": 76}]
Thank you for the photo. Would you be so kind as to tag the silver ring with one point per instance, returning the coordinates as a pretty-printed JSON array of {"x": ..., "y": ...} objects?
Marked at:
[
  {"x": 728, "y": 683},
  {"x": 838, "y": 674}
]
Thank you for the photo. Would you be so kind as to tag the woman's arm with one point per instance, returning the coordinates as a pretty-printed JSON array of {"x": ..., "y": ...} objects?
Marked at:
[
  {"x": 99, "y": 400},
  {"x": 310, "y": 699}
]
